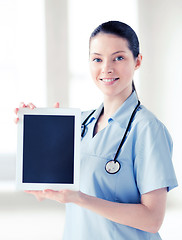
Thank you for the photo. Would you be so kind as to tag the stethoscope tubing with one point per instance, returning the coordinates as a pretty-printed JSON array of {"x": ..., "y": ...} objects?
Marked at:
[
  {"x": 85, "y": 121},
  {"x": 128, "y": 126},
  {"x": 124, "y": 136}
]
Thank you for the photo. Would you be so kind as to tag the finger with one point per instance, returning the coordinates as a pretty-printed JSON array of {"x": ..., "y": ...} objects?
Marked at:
[
  {"x": 16, "y": 110},
  {"x": 49, "y": 190},
  {"x": 16, "y": 120},
  {"x": 51, "y": 194},
  {"x": 37, "y": 194},
  {"x": 39, "y": 198},
  {"x": 31, "y": 105},
  {"x": 33, "y": 191},
  {"x": 56, "y": 105},
  {"x": 22, "y": 105}
]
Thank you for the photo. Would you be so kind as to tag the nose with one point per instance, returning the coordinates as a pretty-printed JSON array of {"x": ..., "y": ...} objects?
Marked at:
[{"x": 107, "y": 68}]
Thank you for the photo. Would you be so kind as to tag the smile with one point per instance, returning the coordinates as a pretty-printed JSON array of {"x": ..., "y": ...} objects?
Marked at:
[{"x": 109, "y": 79}]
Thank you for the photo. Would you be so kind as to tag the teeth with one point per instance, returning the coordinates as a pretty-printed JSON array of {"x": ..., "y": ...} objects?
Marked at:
[{"x": 109, "y": 80}]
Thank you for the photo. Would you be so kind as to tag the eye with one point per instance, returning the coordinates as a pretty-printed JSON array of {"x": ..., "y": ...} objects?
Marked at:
[
  {"x": 118, "y": 58},
  {"x": 97, "y": 60}
]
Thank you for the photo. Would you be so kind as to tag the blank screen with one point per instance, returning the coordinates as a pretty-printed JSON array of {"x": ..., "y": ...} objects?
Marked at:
[{"x": 48, "y": 149}]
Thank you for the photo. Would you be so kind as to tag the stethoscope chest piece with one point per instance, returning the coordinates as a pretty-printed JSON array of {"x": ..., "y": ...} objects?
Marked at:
[{"x": 112, "y": 167}]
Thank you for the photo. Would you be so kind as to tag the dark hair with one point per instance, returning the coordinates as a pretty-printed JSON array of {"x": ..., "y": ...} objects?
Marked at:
[{"x": 119, "y": 29}]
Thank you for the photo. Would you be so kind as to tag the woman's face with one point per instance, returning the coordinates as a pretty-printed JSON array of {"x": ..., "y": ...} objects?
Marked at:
[{"x": 112, "y": 65}]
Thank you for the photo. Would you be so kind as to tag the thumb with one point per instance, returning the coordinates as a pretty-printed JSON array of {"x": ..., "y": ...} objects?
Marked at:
[{"x": 56, "y": 105}]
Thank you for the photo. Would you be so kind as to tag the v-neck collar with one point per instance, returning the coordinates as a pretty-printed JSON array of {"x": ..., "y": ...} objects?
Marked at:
[{"x": 122, "y": 114}]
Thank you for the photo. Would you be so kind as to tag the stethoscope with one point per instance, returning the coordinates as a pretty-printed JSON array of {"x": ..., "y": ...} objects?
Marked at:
[{"x": 113, "y": 166}]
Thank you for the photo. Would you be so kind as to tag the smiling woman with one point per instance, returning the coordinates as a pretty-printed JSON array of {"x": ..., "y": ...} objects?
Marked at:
[{"x": 119, "y": 180}]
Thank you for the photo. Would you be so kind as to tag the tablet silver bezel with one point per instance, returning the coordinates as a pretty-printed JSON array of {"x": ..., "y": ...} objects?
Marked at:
[{"x": 20, "y": 185}]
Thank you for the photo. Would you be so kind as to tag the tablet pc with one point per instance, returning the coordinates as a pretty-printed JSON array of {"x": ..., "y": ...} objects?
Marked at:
[{"x": 48, "y": 149}]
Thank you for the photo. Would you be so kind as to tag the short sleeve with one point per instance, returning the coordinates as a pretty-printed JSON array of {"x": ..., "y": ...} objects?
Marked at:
[{"x": 153, "y": 159}]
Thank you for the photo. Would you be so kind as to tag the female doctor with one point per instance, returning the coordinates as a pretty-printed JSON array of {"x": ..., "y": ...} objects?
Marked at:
[{"x": 126, "y": 167}]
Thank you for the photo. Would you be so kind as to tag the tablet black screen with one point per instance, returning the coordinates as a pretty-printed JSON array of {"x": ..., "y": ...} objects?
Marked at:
[{"x": 48, "y": 149}]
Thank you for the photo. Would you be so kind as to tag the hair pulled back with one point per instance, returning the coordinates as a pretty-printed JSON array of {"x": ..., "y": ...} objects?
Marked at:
[{"x": 122, "y": 30}]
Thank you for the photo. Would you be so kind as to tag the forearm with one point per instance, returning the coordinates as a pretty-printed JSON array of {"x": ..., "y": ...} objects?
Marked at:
[
  {"x": 147, "y": 216},
  {"x": 138, "y": 216}
]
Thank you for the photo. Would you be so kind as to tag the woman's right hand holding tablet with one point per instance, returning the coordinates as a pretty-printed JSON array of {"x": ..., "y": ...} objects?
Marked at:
[
  {"x": 23, "y": 105},
  {"x": 29, "y": 105}
]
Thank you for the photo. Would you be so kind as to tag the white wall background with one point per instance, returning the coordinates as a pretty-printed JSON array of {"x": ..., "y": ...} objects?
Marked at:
[
  {"x": 161, "y": 72},
  {"x": 83, "y": 93},
  {"x": 22, "y": 62}
]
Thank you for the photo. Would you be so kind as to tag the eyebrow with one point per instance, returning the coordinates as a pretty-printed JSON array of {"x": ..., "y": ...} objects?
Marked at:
[
  {"x": 111, "y": 54},
  {"x": 118, "y": 52}
]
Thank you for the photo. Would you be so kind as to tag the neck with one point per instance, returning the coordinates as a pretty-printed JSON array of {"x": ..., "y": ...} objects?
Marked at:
[{"x": 112, "y": 104}]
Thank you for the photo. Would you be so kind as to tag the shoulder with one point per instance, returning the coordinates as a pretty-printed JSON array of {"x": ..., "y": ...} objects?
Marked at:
[
  {"x": 148, "y": 124},
  {"x": 145, "y": 117}
]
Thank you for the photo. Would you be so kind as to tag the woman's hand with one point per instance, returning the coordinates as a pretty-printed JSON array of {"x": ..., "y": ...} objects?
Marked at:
[
  {"x": 31, "y": 106},
  {"x": 62, "y": 196},
  {"x": 38, "y": 194},
  {"x": 23, "y": 105}
]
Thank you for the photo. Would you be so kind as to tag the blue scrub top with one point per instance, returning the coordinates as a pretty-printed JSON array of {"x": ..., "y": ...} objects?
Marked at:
[{"x": 146, "y": 165}]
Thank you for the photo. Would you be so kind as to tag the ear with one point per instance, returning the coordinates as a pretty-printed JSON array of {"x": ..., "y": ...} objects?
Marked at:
[{"x": 138, "y": 61}]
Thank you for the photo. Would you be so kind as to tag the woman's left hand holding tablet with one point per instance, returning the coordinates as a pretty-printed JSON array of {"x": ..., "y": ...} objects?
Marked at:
[{"x": 62, "y": 196}]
